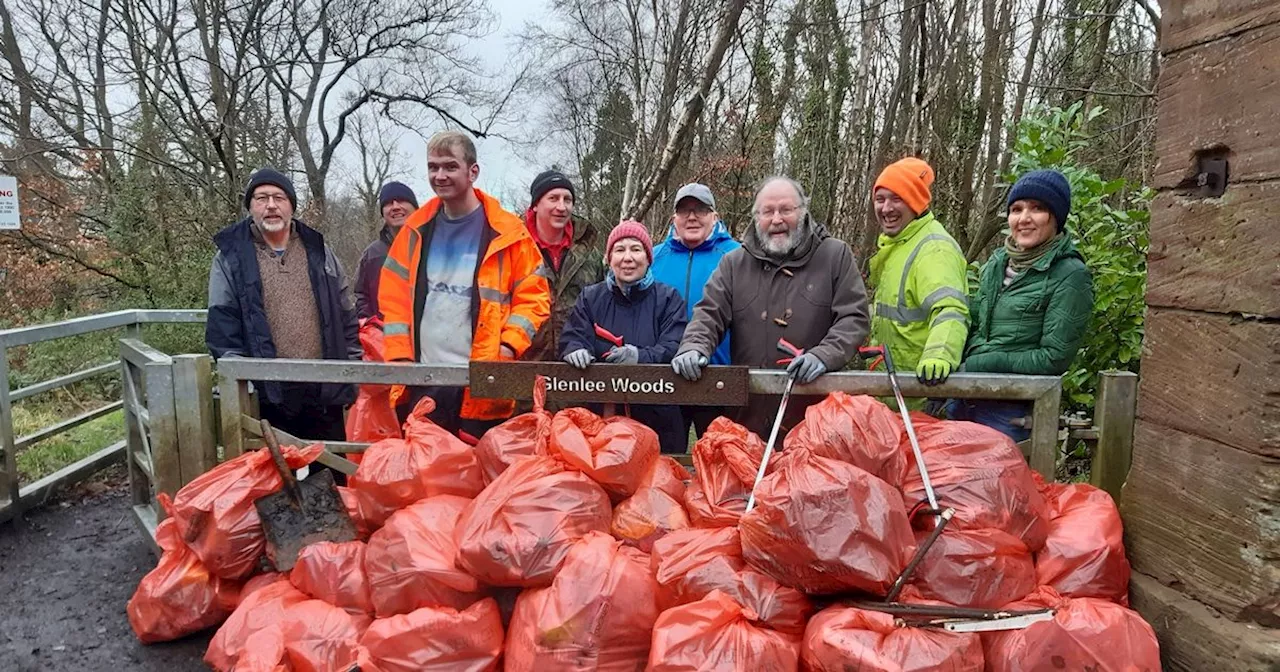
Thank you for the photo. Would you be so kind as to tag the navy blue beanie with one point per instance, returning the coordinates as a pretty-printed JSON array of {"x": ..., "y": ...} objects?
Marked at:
[
  {"x": 1047, "y": 186},
  {"x": 274, "y": 178},
  {"x": 396, "y": 191}
]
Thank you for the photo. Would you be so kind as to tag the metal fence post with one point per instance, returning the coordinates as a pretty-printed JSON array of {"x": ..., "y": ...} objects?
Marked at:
[
  {"x": 9, "y": 480},
  {"x": 1115, "y": 416},
  {"x": 1044, "y": 432}
]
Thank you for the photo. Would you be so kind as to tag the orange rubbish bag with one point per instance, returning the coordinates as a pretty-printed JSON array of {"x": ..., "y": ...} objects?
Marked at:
[
  {"x": 261, "y": 581},
  {"x": 1084, "y": 553},
  {"x": 351, "y": 502},
  {"x": 983, "y": 569},
  {"x": 215, "y": 512},
  {"x": 334, "y": 572},
  {"x": 179, "y": 596},
  {"x": 725, "y": 460},
  {"x": 410, "y": 561},
  {"x": 262, "y": 610},
  {"x": 1086, "y": 633},
  {"x": 518, "y": 531},
  {"x": 429, "y": 461},
  {"x": 320, "y": 637},
  {"x": 669, "y": 476},
  {"x": 825, "y": 526},
  {"x": 372, "y": 417},
  {"x": 715, "y": 634},
  {"x": 689, "y": 564},
  {"x": 616, "y": 452},
  {"x": 646, "y": 517},
  {"x": 982, "y": 475},
  {"x": 843, "y": 638},
  {"x": 598, "y": 613},
  {"x": 443, "y": 640},
  {"x": 859, "y": 430},
  {"x": 524, "y": 435}
]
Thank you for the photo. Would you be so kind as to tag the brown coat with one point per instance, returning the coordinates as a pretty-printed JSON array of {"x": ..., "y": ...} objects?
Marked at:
[{"x": 815, "y": 299}]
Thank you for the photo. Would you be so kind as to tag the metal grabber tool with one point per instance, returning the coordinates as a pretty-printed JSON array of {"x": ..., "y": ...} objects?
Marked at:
[{"x": 791, "y": 353}]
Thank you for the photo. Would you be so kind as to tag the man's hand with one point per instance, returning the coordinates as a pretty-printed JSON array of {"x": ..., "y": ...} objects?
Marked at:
[
  {"x": 689, "y": 364},
  {"x": 505, "y": 353},
  {"x": 580, "y": 358},
  {"x": 933, "y": 371},
  {"x": 623, "y": 354},
  {"x": 806, "y": 368}
]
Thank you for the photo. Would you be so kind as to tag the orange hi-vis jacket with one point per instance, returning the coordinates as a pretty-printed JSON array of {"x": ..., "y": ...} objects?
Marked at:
[{"x": 511, "y": 300}]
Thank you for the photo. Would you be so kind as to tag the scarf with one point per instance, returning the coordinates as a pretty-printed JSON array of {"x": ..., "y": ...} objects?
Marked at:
[
  {"x": 1020, "y": 260},
  {"x": 626, "y": 287}
]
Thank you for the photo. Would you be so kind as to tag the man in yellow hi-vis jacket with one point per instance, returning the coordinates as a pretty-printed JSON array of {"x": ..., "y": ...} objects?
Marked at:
[{"x": 920, "y": 310}]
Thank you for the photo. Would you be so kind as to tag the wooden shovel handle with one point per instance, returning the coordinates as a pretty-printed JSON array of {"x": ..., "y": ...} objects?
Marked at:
[{"x": 286, "y": 474}]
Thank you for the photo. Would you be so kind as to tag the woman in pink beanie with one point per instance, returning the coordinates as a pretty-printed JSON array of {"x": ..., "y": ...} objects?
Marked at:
[{"x": 647, "y": 317}]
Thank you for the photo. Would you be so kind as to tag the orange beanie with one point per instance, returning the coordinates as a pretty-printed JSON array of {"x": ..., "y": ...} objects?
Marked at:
[{"x": 910, "y": 179}]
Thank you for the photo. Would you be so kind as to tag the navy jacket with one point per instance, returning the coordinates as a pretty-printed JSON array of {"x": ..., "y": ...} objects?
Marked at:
[
  {"x": 653, "y": 320},
  {"x": 689, "y": 270},
  {"x": 237, "y": 322},
  {"x": 369, "y": 272}
]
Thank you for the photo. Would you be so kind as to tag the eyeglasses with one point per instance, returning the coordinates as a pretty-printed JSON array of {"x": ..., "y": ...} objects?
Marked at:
[
  {"x": 263, "y": 199},
  {"x": 699, "y": 211},
  {"x": 784, "y": 212}
]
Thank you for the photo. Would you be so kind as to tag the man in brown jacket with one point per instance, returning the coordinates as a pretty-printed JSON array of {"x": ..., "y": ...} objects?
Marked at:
[{"x": 789, "y": 280}]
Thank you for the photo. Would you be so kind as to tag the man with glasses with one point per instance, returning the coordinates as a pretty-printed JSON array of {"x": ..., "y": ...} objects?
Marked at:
[
  {"x": 685, "y": 260},
  {"x": 790, "y": 280},
  {"x": 277, "y": 290}
]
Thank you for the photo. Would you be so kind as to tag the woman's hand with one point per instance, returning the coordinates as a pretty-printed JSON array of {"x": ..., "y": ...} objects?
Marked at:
[
  {"x": 580, "y": 358},
  {"x": 623, "y": 354}
]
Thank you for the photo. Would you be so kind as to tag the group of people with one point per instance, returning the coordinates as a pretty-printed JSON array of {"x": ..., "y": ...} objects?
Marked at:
[{"x": 459, "y": 279}]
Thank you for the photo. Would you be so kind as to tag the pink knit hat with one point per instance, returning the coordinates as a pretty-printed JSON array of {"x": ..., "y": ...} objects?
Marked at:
[{"x": 629, "y": 228}]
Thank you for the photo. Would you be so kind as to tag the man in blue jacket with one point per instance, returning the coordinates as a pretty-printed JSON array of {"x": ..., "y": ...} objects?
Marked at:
[{"x": 686, "y": 259}]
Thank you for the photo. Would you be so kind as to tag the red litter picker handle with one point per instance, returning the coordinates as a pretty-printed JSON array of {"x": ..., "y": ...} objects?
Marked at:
[
  {"x": 607, "y": 335},
  {"x": 874, "y": 353},
  {"x": 789, "y": 349}
]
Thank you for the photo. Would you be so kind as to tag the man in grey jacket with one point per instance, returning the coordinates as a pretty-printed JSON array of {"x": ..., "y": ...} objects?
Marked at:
[{"x": 790, "y": 280}]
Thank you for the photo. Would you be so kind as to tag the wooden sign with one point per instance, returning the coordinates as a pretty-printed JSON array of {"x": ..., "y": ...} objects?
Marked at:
[{"x": 610, "y": 383}]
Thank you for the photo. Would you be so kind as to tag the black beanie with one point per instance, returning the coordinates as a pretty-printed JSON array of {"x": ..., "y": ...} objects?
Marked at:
[
  {"x": 396, "y": 191},
  {"x": 273, "y": 177},
  {"x": 546, "y": 181}
]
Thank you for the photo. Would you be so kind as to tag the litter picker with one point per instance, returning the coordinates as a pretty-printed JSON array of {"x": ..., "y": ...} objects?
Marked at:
[
  {"x": 791, "y": 353},
  {"x": 868, "y": 353}
]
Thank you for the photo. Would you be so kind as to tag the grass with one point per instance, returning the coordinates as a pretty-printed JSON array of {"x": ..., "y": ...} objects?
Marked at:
[{"x": 56, "y": 452}]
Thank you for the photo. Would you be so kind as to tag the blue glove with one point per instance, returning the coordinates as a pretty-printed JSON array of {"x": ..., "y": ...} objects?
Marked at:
[
  {"x": 580, "y": 358},
  {"x": 623, "y": 354},
  {"x": 806, "y": 368},
  {"x": 689, "y": 364}
]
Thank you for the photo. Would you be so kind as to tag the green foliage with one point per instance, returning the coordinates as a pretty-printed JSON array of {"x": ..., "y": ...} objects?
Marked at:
[
  {"x": 1109, "y": 221},
  {"x": 56, "y": 452}
]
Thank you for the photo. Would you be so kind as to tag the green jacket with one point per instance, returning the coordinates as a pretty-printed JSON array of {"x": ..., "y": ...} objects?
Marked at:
[
  {"x": 920, "y": 308},
  {"x": 580, "y": 266},
  {"x": 1036, "y": 324}
]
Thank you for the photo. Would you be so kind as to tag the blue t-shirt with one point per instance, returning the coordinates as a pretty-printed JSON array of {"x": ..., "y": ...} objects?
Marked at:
[{"x": 445, "y": 331}]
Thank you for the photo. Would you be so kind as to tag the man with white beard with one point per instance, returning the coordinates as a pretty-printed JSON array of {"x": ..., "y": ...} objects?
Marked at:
[
  {"x": 277, "y": 290},
  {"x": 790, "y": 280}
]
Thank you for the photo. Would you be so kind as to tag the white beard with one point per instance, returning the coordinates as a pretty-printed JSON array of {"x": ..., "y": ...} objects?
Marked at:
[
  {"x": 780, "y": 247},
  {"x": 272, "y": 227}
]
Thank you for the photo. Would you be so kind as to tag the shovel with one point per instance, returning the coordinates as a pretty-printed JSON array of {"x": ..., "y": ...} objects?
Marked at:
[{"x": 302, "y": 512}]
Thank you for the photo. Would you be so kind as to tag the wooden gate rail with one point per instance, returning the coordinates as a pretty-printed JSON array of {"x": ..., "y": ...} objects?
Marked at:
[{"x": 14, "y": 495}]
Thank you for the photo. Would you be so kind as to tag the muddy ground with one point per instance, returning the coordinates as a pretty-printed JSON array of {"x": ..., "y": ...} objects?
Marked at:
[{"x": 66, "y": 572}]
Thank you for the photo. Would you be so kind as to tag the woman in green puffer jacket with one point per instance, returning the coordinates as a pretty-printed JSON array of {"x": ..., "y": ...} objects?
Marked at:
[{"x": 1034, "y": 301}]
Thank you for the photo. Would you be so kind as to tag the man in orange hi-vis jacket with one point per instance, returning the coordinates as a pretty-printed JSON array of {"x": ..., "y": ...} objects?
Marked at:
[{"x": 463, "y": 280}]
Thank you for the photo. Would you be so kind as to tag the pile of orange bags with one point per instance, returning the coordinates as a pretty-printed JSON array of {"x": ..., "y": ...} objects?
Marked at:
[
  {"x": 1085, "y": 634},
  {"x": 410, "y": 561},
  {"x": 598, "y": 613},
  {"x": 716, "y": 633},
  {"x": 428, "y": 461},
  {"x": 215, "y": 513},
  {"x": 725, "y": 461},
  {"x": 616, "y": 452},
  {"x": 522, "y": 436},
  {"x": 859, "y": 430},
  {"x": 982, "y": 475},
  {"x": 372, "y": 417},
  {"x": 845, "y": 638},
  {"x": 179, "y": 596},
  {"x": 1084, "y": 553},
  {"x": 826, "y": 526},
  {"x": 646, "y": 517},
  {"x": 518, "y": 531}
]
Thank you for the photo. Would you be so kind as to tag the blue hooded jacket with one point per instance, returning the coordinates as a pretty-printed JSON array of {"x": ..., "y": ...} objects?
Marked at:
[{"x": 689, "y": 270}]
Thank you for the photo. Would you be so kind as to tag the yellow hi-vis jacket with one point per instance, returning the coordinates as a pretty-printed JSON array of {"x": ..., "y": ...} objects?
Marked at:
[{"x": 920, "y": 309}]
